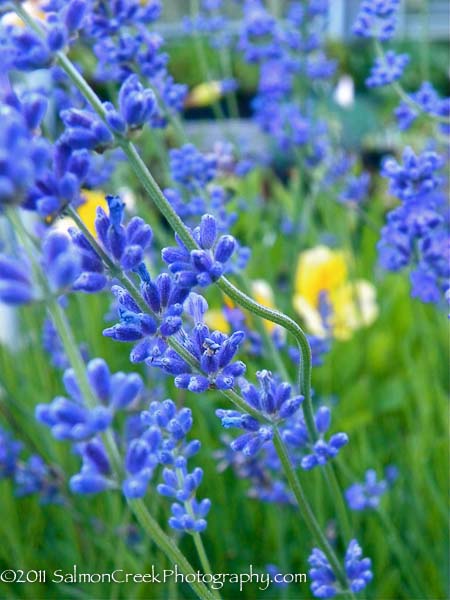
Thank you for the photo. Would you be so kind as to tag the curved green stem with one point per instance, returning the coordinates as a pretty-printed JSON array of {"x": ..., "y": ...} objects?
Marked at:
[
  {"x": 232, "y": 396},
  {"x": 180, "y": 228}
]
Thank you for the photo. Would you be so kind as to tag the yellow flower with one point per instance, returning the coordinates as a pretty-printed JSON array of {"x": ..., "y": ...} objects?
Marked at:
[
  {"x": 352, "y": 304},
  {"x": 320, "y": 269},
  {"x": 215, "y": 319},
  {"x": 88, "y": 210},
  {"x": 32, "y": 7},
  {"x": 204, "y": 94}
]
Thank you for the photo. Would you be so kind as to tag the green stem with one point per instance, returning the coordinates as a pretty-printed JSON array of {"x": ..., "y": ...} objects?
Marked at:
[
  {"x": 198, "y": 542},
  {"x": 167, "y": 546},
  {"x": 265, "y": 335},
  {"x": 307, "y": 513},
  {"x": 336, "y": 493}
]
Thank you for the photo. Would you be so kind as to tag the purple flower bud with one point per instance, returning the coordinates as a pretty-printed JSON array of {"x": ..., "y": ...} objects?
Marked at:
[
  {"x": 137, "y": 456},
  {"x": 128, "y": 391},
  {"x": 99, "y": 378},
  {"x": 208, "y": 231},
  {"x": 88, "y": 483},
  {"x": 75, "y": 14},
  {"x": 225, "y": 248},
  {"x": 323, "y": 419},
  {"x": 123, "y": 332}
]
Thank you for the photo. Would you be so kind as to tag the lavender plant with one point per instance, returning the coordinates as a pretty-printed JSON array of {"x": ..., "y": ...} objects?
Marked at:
[{"x": 127, "y": 441}]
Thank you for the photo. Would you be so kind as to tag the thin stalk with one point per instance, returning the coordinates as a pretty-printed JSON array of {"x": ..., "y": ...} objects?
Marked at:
[
  {"x": 265, "y": 336},
  {"x": 198, "y": 542},
  {"x": 336, "y": 493},
  {"x": 307, "y": 513},
  {"x": 167, "y": 546}
]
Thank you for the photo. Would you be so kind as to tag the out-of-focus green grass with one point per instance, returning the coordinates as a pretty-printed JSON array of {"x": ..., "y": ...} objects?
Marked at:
[{"x": 389, "y": 383}]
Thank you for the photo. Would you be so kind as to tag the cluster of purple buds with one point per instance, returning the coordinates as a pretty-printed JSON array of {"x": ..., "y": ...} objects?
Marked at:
[
  {"x": 165, "y": 300},
  {"x": 209, "y": 22},
  {"x": 92, "y": 278},
  {"x": 214, "y": 352},
  {"x": 417, "y": 230},
  {"x": 163, "y": 441},
  {"x": 9, "y": 453},
  {"x": 107, "y": 21},
  {"x": 387, "y": 69},
  {"x": 16, "y": 286},
  {"x": 23, "y": 49},
  {"x": 51, "y": 343},
  {"x": 60, "y": 183},
  {"x": 427, "y": 100},
  {"x": 23, "y": 154},
  {"x": 191, "y": 168},
  {"x": 416, "y": 176},
  {"x": 34, "y": 476},
  {"x": 188, "y": 514},
  {"x": 125, "y": 245},
  {"x": 136, "y": 106},
  {"x": 356, "y": 189},
  {"x": 261, "y": 470},
  {"x": 367, "y": 495},
  {"x": 358, "y": 572},
  {"x": 70, "y": 418},
  {"x": 30, "y": 476},
  {"x": 296, "y": 436},
  {"x": 377, "y": 19},
  {"x": 62, "y": 27},
  {"x": 96, "y": 474},
  {"x": 260, "y": 35},
  {"x": 275, "y": 403},
  {"x": 323, "y": 451},
  {"x": 85, "y": 130},
  {"x": 60, "y": 261},
  {"x": 206, "y": 264}
]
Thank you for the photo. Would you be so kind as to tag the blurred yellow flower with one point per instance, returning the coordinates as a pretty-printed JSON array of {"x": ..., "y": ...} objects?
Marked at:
[
  {"x": 204, "y": 94},
  {"x": 32, "y": 7},
  {"x": 88, "y": 210},
  {"x": 216, "y": 320},
  {"x": 352, "y": 305}
]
